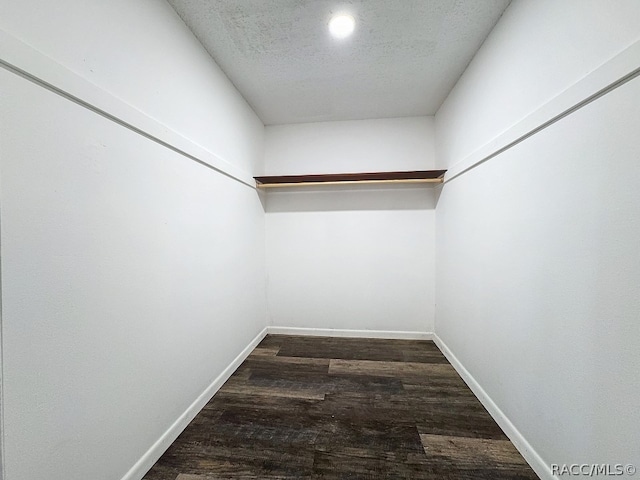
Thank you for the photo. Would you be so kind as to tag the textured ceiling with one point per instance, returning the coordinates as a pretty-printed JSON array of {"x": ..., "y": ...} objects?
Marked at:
[{"x": 402, "y": 60}]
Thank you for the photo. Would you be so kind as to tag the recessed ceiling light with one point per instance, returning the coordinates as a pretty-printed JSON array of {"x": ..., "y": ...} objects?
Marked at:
[{"x": 342, "y": 26}]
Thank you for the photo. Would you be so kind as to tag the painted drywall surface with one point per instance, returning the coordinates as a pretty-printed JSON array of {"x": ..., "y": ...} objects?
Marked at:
[
  {"x": 357, "y": 258},
  {"x": 350, "y": 146},
  {"x": 142, "y": 53},
  {"x": 360, "y": 270},
  {"x": 537, "y": 280},
  {"x": 131, "y": 278},
  {"x": 536, "y": 248},
  {"x": 537, "y": 50}
]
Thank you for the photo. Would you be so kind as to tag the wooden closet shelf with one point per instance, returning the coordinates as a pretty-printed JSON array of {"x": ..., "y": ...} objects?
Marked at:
[{"x": 415, "y": 176}]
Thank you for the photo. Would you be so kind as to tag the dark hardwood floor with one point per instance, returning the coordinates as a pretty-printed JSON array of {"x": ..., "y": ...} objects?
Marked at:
[{"x": 343, "y": 408}]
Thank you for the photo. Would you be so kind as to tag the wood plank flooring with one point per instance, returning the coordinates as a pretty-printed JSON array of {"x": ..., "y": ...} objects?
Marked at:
[{"x": 343, "y": 408}]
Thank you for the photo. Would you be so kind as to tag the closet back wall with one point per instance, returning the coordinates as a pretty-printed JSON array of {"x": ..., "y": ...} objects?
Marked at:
[{"x": 357, "y": 257}]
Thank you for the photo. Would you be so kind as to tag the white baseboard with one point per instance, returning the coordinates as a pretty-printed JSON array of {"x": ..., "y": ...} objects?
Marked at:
[
  {"x": 152, "y": 455},
  {"x": 524, "y": 447},
  {"x": 337, "y": 332}
]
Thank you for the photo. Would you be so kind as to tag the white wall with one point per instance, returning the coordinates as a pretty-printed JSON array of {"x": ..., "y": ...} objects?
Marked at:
[
  {"x": 132, "y": 276},
  {"x": 142, "y": 53},
  {"x": 350, "y": 146},
  {"x": 537, "y": 248},
  {"x": 354, "y": 258},
  {"x": 537, "y": 50}
]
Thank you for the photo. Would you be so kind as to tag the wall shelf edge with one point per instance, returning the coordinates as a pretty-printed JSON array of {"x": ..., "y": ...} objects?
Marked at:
[{"x": 428, "y": 177}]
